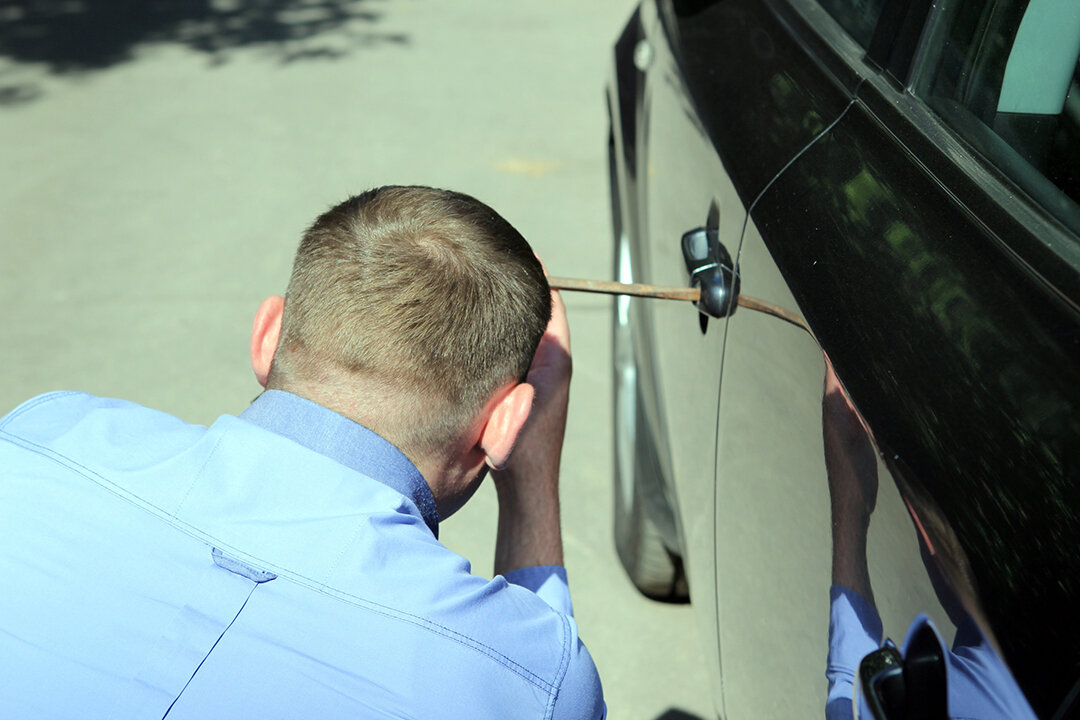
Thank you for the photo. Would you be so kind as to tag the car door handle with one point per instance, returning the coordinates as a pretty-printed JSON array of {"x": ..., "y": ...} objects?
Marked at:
[{"x": 711, "y": 271}]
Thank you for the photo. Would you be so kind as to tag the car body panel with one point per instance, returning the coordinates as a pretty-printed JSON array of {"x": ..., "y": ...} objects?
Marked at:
[
  {"x": 946, "y": 300},
  {"x": 773, "y": 511},
  {"x": 683, "y": 180},
  {"x": 775, "y": 99},
  {"x": 675, "y": 170},
  {"x": 995, "y": 446}
]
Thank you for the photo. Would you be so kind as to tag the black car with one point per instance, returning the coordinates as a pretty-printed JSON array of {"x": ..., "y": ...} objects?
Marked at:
[{"x": 897, "y": 182}]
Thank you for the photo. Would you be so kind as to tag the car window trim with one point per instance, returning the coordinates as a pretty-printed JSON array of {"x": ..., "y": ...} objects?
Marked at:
[{"x": 897, "y": 37}]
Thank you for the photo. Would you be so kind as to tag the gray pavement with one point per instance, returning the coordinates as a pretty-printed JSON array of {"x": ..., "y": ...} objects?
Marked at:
[{"x": 157, "y": 172}]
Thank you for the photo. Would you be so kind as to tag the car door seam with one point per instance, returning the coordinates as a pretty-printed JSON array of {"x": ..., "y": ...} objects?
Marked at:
[
  {"x": 796, "y": 156},
  {"x": 828, "y": 128}
]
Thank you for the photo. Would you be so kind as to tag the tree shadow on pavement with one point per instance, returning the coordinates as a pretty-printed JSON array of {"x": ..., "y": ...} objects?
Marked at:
[
  {"x": 79, "y": 35},
  {"x": 675, "y": 714}
]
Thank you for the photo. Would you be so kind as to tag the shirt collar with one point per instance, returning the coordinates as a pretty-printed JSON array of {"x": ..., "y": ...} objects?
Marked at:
[{"x": 337, "y": 437}]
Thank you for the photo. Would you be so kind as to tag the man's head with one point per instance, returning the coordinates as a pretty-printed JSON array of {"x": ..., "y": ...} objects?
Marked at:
[{"x": 413, "y": 307}]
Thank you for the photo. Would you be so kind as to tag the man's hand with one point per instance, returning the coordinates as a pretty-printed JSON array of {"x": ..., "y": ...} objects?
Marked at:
[
  {"x": 539, "y": 446},
  {"x": 528, "y": 486}
]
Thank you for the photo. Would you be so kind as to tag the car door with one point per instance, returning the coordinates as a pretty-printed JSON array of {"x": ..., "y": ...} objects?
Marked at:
[
  {"x": 928, "y": 238},
  {"x": 710, "y": 143},
  {"x": 683, "y": 187}
]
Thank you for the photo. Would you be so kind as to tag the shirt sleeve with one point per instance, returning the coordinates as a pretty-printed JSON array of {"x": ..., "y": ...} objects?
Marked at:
[
  {"x": 580, "y": 694},
  {"x": 854, "y": 632},
  {"x": 548, "y": 582}
]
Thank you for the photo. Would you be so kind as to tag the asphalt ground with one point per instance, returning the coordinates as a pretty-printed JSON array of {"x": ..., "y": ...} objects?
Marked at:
[{"x": 160, "y": 160}]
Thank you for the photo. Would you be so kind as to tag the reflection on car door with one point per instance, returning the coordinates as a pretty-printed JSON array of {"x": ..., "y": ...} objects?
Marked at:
[
  {"x": 924, "y": 274},
  {"x": 684, "y": 185},
  {"x": 774, "y": 513},
  {"x": 760, "y": 112}
]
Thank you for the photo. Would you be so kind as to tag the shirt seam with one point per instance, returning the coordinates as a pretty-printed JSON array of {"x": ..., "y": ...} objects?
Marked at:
[
  {"x": 427, "y": 624},
  {"x": 194, "y": 478},
  {"x": 282, "y": 572},
  {"x": 564, "y": 665}
]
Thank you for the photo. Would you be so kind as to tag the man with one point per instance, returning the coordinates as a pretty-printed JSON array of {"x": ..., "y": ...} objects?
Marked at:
[{"x": 284, "y": 563}]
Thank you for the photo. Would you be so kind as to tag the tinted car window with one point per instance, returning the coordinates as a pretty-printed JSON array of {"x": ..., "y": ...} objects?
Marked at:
[
  {"x": 1004, "y": 76},
  {"x": 858, "y": 17}
]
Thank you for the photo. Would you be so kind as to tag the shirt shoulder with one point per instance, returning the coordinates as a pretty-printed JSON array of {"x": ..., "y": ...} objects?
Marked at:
[
  {"x": 53, "y": 414},
  {"x": 109, "y": 442},
  {"x": 60, "y": 401}
]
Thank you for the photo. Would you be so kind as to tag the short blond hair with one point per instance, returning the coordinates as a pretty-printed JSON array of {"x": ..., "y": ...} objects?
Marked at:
[{"x": 429, "y": 294}]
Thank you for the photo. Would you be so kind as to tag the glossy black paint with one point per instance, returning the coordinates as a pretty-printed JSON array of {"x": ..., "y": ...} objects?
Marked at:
[
  {"x": 764, "y": 108},
  {"x": 965, "y": 367},
  {"x": 627, "y": 93},
  {"x": 1043, "y": 247}
]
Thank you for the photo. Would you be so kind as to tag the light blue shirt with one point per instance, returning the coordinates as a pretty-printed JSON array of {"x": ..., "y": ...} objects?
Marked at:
[{"x": 282, "y": 564}]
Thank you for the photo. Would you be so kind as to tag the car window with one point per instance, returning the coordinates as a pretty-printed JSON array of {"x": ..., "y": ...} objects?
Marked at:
[
  {"x": 858, "y": 17},
  {"x": 1003, "y": 74}
]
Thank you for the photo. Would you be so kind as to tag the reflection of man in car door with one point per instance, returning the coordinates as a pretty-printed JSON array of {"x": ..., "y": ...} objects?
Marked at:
[{"x": 978, "y": 683}]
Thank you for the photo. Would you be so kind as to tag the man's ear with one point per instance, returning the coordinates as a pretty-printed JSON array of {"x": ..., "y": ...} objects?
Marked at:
[
  {"x": 264, "y": 336},
  {"x": 504, "y": 425}
]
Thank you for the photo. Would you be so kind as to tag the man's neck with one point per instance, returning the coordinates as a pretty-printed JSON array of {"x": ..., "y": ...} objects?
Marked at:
[{"x": 452, "y": 473}]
